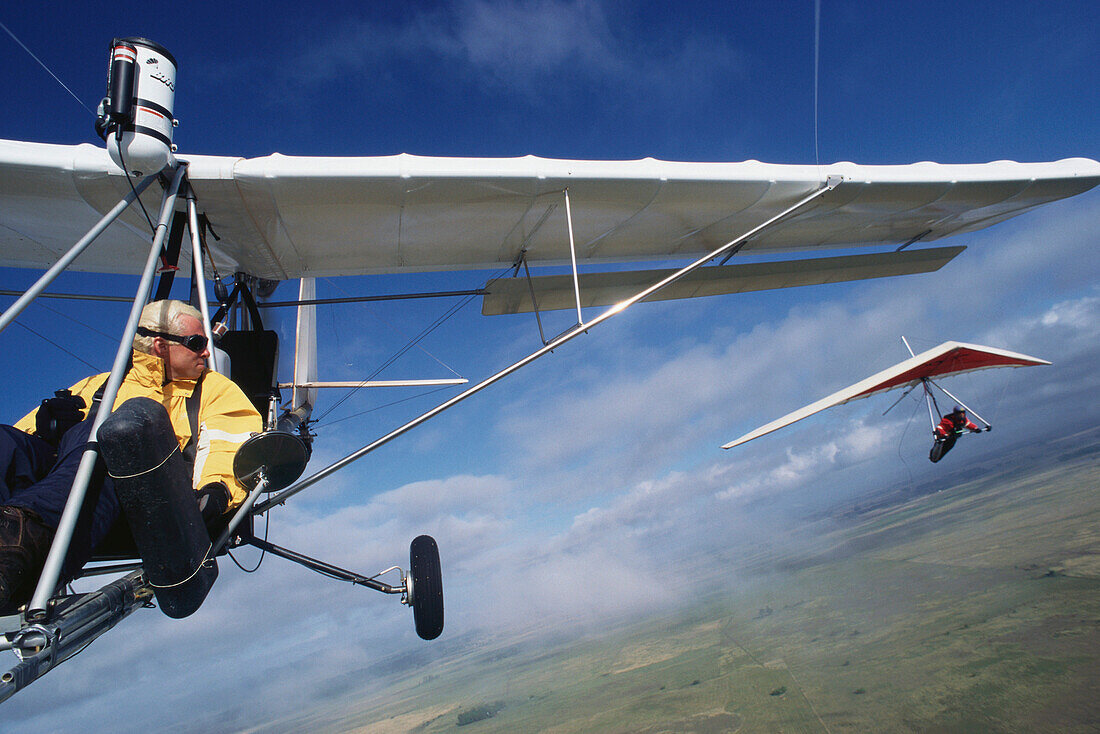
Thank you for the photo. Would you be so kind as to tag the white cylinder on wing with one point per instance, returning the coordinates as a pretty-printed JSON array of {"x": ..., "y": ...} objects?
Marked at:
[{"x": 142, "y": 144}]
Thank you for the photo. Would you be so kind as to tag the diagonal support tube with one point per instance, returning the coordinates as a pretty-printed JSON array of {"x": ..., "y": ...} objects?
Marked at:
[
  {"x": 51, "y": 572},
  {"x": 961, "y": 403},
  {"x": 929, "y": 401},
  {"x": 573, "y": 257},
  {"x": 199, "y": 276},
  {"x": 731, "y": 246},
  {"x": 82, "y": 244},
  {"x": 240, "y": 514}
]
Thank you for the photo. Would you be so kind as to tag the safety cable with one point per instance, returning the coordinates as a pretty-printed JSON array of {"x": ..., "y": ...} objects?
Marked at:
[
  {"x": 901, "y": 439},
  {"x": 263, "y": 551},
  {"x": 118, "y": 142}
]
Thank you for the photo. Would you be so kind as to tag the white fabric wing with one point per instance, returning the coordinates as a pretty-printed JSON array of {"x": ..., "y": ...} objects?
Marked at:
[{"x": 284, "y": 217}]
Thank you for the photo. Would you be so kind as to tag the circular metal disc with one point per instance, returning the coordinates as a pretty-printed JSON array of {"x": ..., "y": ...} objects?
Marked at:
[{"x": 281, "y": 455}]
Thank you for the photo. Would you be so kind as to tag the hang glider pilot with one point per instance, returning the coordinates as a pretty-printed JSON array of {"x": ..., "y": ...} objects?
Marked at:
[
  {"x": 954, "y": 423},
  {"x": 39, "y": 456}
]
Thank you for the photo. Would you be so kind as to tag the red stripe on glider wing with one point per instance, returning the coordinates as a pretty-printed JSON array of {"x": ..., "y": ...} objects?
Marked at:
[{"x": 957, "y": 360}]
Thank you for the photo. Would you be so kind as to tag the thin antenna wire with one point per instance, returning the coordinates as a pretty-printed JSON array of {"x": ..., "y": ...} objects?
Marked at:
[
  {"x": 13, "y": 37},
  {"x": 817, "y": 55}
]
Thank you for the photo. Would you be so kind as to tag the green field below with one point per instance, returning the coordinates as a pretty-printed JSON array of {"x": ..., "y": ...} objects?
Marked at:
[{"x": 975, "y": 608}]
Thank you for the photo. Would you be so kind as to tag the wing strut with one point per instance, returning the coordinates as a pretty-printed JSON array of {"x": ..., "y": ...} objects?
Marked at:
[
  {"x": 199, "y": 276},
  {"x": 730, "y": 247},
  {"x": 51, "y": 572}
]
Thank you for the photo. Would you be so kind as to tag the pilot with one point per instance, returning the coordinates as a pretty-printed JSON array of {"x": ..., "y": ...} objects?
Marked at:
[
  {"x": 39, "y": 456},
  {"x": 954, "y": 423}
]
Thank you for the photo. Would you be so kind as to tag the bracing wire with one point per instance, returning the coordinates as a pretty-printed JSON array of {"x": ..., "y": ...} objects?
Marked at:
[
  {"x": 398, "y": 354},
  {"x": 901, "y": 440},
  {"x": 392, "y": 328},
  {"x": 78, "y": 322},
  {"x": 387, "y": 405},
  {"x": 63, "y": 349},
  {"x": 121, "y": 157},
  {"x": 439, "y": 321},
  {"x": 43, "y": 65}
]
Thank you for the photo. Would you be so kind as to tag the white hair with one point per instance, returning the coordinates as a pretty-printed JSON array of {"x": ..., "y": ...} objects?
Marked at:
[{"x": 162, "y": 316}]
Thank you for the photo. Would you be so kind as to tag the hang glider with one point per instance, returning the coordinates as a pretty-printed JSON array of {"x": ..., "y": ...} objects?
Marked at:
[{"x": 949, "y": 358}]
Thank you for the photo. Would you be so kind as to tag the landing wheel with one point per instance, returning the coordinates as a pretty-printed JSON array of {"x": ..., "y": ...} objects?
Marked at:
[
  {"x": 941, "y": 447},
  {"x": 425, "y": 584}
]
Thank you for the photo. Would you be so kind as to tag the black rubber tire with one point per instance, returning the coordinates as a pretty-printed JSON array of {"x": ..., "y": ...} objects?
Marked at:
[
  {"x": 427, "y": 587},
  {"x": 940, "y": 448}
]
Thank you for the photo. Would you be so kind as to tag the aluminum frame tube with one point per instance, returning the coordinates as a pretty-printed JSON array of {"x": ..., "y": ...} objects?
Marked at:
[
  {"x": 76, "y": 628},
  {"x": 928, "y": 401},
  {"x": 732, "y": 246},
  {"x": 200, "y": 276},
  {"x": 573, "y": 257},
  {"x": 961, "y": 403},
  {"x": 240, "y": 514},
  {"x": 319, "y": 566},
  {"x": 82, "y": 244},
  {"x": 51, "y": 571}
]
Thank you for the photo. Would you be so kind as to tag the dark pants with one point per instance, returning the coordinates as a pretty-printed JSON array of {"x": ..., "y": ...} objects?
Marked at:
[{"x": 32, "y": 483}]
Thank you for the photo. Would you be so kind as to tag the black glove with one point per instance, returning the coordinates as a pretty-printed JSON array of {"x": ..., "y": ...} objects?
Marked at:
[
  {"x": 975, "y": 430},
  {"x": 57, "y": 415},
  {"x": 213, "y": 500},
  {"x": 988, "y": 429}
]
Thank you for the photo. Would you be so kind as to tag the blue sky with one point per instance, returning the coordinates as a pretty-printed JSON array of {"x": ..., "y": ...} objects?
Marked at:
[{"x": 599, "y": 462}]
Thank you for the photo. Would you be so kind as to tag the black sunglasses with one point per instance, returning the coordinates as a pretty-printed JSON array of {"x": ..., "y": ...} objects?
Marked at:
[{"x": 195, "y": 342}]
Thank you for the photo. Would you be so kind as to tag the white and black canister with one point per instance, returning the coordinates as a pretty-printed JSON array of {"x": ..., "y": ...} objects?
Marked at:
[{"x": 135, "y": 118}]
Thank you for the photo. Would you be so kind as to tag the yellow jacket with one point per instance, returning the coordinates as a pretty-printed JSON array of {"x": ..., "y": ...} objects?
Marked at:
[{"x": 226, "y": 417}]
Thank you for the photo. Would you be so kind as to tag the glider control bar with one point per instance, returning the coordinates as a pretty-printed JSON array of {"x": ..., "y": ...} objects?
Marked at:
[{"x": 730, "y": 247}]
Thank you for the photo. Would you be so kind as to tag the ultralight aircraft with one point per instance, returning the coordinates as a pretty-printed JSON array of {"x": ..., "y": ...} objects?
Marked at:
[{"x": 276, "y": 218}]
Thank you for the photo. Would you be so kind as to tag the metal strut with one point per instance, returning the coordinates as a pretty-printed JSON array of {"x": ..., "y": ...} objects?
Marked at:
[
  {"x": 963, "y": 405},
  {"x": 733, "y": 245},
  {"x": 371, "y": 582},
  {"x": 51, "y": 572},
  {"x": 78, "y": 621}
]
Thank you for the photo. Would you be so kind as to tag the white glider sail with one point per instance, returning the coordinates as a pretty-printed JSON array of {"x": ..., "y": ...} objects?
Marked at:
[
  {"x": 282, "y": 217},
  {"x": 949, "y": 358}
]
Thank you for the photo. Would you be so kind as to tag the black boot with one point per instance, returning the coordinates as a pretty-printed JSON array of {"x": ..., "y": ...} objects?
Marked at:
[{"x": 24, "y": 542}]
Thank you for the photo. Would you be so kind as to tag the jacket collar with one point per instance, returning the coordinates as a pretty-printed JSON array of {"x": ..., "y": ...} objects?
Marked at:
[{"x": 148, "y": 371}]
